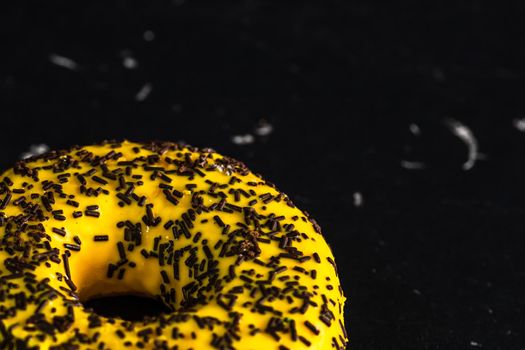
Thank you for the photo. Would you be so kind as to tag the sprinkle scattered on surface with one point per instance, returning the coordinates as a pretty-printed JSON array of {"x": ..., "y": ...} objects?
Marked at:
[
  {"x": 519, "y": 124},
  {"x": 263, "y": 128},
  {"x": 130, "y": 63},
  {"x": 62, "y": 61},
  {"x": 465, "y": 134},
  {"x": 358, "y": 199},
  {"x": 144, "y": 92},
  {"x": 414, "y": 129},
  {"x": 148, "y": 35},
  {"x": 243, "y": 139},
  {"x": 35, "y": 150},
  {"x": 128, "y": 60},
  {"x": 410, "y": 165}
]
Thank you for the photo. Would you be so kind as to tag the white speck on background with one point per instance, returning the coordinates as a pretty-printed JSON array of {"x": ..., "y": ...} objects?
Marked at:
[
  {"x": 149, "y": 35},
  {"x": 407, "y": 164},
  {"x": 35, "y": 150},
  {"x": 358, "y": 199},
  {"x": 414, "y": 129},
  {"x": 143, "y": 92},
  {"x": 263, "y": 128},
  {"x": 130, "y": 63},
  {"x": 243, "y": 139},
  {"x": 465, "y": 134},
  {"x": 519, "y": 124},
  {"x": 62, "y": 61},
  {"x": 416, "y": 292},
  {"x": 474, "y": 343}
]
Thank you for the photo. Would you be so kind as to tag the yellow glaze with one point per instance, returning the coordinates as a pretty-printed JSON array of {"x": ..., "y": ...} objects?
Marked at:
[{"x": 255, "y": 289}]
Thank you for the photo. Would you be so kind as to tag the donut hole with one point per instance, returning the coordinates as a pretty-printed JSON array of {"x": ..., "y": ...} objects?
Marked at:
[{"x": 126, "y": 307}]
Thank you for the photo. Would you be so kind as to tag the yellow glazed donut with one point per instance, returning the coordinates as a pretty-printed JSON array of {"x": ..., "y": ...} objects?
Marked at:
[{"x": 237, "y": 263}]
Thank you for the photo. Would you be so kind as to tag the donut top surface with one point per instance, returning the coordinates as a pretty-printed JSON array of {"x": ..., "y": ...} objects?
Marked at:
[{"x": 240, "y": 266}]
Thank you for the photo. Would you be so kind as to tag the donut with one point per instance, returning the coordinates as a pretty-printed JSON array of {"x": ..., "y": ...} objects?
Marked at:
[{"x": 236, "y": 262}]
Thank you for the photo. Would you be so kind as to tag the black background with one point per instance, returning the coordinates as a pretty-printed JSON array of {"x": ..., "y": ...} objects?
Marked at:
[{"x": 433, "y": 259}]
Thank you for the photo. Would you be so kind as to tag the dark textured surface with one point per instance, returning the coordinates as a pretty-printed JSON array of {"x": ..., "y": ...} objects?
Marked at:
[{"x": 433, "y": 259}]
